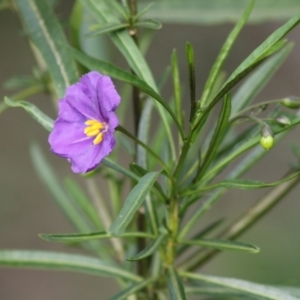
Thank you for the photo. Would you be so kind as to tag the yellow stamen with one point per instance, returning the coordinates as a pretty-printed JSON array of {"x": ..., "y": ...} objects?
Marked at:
[
  {"x": 98, "y": 139},
  {"x": 91, "y": 132}
]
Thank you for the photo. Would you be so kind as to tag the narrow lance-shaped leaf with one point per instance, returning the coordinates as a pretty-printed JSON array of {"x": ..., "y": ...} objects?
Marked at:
[
  {"x": 150, "y": 249},
  {"x": 37, "y": 114},
  {"x": 123, "y": 295},
  {"x": 66, "y": 204},
  {"x": 176, "y": 86},
  {"x": 108, "y": 28},
  {"x": 192, "y": 80},
  {"x": 83, "y": 202},
  {"x": 213, "y": 75},
  {"x": 80, "y": 237},
  {"x": 47, "y": 35},
  {"x": 258, "y": 79},
  {"x": 217, "y": 136},
  {"x": 270, "y": 46},
  {"x": 149, "y": 23},
  {"x": 118, "y": 168},
  {"x": 203, "y": 12},
  {"x": 64, "y": 262},
  {"x": 242, "y": 184},
  {"x": 249, "y": 289},
  {"x": 133, "y": 202},
  {"x": 221, "y": 245},
  {"x": 175, "y": 285}
]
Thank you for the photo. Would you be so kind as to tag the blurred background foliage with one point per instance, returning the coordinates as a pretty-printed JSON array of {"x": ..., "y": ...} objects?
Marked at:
[{"x": 26, "y": 208}]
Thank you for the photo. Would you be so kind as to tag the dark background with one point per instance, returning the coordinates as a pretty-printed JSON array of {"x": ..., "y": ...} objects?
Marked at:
[{"x": 26, "y": 208}]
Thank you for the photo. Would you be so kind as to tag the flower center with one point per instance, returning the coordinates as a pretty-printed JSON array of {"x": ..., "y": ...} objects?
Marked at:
[{"x": 96, "y": 129}]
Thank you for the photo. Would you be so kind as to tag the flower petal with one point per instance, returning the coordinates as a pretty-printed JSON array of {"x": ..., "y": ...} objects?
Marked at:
[
  {"x": 90, "y": 159},
  {"x": 68, "y": 139},
  {"x": 107, "y": 94}
]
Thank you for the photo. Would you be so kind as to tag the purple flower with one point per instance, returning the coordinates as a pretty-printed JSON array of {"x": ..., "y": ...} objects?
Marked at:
[{"x": 83, "y": 133}]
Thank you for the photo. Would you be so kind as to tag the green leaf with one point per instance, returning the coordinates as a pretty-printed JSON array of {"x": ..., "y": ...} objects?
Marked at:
[
  {"x": 49, "y": 178},
  {"x": 141, "y": 172},
  {"x": 83, "y": 202},
  {"x": 262, "y": 50},
  {"x": 192, "y": 80},
  {"x": 133, "y": 202},
  {"x": 118, "y": 168},
  {"x": 107, "y": 28},
  {"x": 149, "y": 23},
  {"x": 117, "y": 73},
  {"x": 247, "y": 288},
  {"x": 62, "y": 261},
  {"x": 242, "y": 184},
  {"x": 80, "y": 237},
  {"x": 217, "y": 136},
  {"x": 258, "y": 79},
  {"x": 103, "y": 14},
  {"x": 213, "y": 75},
  {"x": 221, "y": 245},
  {"x": 150, "y": 249},
  {"x": 123, "y": 295},
  {"x": 175, "y": 285},
  {"x": 38, "y": 115},
  {"x": 271, "y": 45},
  {"x": 176, "y": 86},
  {"x": 214, "y": 12},
  {"x": 47, "y": 35}
]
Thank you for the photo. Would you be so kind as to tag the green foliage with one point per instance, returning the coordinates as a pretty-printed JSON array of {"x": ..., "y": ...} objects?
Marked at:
[
  {"x": 62, "y": 261},
  {"x": 47, "y": 35},
  {"x": 133, "y": 202},
  {"x": 148, "y": 231},
  {"x": 212, "y": 12}
]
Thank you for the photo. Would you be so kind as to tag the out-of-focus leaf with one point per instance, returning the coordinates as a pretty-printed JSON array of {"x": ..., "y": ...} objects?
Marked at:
[
  {"x": 149, "y": 23},
  {"x": 47, "y": 35},
  {"x": 221, "y": 245},
  {"x": 219, "y": 11},
  {"x": 175, "y": 285},
  {"x": 48, "y": 177},
  {"x": 38, "y": 115},
  {"x": 132, "y": 203},
  {"x": 258, "y": 79},
  {"x": 242, "y": 184},
  {"x": 123, "y": 295},
  {"x": 83, "y": 202},
  {"x": 118, "y": 168},
  {"x": 217, "y": 137},
  {"x": 245, "y": 287},
  {"x": 80, "y": 237},
  {"x": 150, "y": 249},
  {"x": 64, "y": 262},
  {"x": 107, "y": 28},
  {"x": 270, "y": 46},
  {"x": 213, "y": 75}
]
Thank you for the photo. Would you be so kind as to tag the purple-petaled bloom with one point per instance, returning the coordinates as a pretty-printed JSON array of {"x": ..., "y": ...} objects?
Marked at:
[{"x": 83, "y": 133}]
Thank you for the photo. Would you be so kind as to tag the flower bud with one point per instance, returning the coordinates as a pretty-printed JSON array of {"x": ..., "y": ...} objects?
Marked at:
[
  {"x": 267, "y": 139},
  {"x": 283, "y": 120},
  {"x": 292, "y": 102}
]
